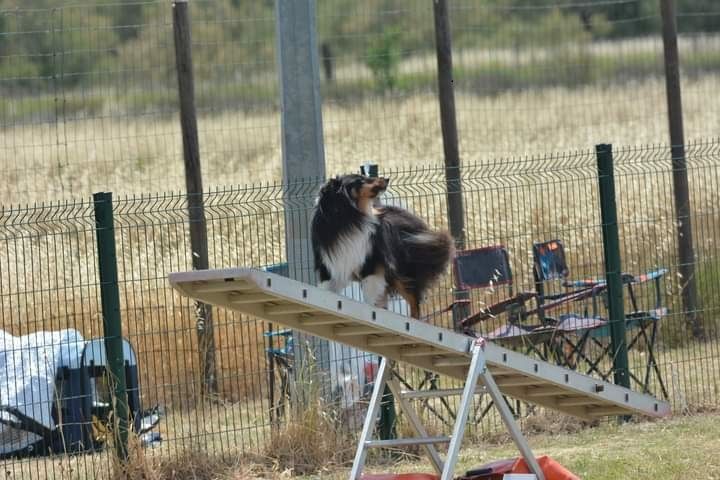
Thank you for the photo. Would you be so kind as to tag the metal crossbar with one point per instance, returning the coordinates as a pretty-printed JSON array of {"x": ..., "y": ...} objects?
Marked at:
[{"x": 477, "y": 372}]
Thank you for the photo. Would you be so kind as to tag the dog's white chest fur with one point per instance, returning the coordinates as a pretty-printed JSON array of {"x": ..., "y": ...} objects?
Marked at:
[{"x": 347, "y": 255}]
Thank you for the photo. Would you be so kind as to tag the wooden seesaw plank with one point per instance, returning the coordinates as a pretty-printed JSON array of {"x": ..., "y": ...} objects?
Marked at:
[{"x": 340, "y": 319}]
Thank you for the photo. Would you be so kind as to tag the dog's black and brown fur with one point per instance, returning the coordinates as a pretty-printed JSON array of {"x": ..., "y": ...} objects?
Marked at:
[{"x": 388, "y": 249}]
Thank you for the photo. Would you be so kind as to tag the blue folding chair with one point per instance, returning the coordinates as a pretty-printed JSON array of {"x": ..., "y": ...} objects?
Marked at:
[{"x": 579, "y": 330}]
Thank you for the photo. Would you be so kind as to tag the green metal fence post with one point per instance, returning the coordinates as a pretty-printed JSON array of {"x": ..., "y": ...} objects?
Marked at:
[
  {"x": 613, "y": 275},
  {"x": 112, "y": 329},
  {"x": 388, "y": 415}
]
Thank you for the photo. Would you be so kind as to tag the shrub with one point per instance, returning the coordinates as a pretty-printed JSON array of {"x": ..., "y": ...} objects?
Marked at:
[{"x": 383, "y": 59}]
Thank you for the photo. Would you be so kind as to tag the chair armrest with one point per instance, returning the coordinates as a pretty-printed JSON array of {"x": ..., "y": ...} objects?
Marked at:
[
  {"x": 651, "y": 275},
  {"x": 584, "y": 283},
  {"x": 285, "y": 332},
  {"x": 594, "y": 282},
  {"x": 461, "y": 301},
  {"x": 20, "y": 421},
  {"x": 573, "y": 296},
  {"x": 498, "y": 308},
  {"x": 655, "y": 276}
]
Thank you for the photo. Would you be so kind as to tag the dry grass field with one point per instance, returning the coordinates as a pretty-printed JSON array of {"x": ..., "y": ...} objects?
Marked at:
[
  {"x": 509, "y": 198},
  {"x": 642, "y": 451},
  {"x": 48, "y": 275},
  {"x": 144, "y": 153},
  {"x": 677, "y": 448}
]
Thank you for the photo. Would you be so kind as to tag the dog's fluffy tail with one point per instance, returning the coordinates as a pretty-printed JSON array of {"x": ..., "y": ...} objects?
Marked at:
[{"x": 431, "y": 251}]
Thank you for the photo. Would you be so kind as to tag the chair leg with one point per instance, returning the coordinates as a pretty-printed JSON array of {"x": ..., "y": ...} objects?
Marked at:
[
  {"x": 431, "y": 378},
  {"x": 653, "y": 362},
  {"x": 577, "y": 349},
  {"x": 648, "y": 366},
  {"x": 425, "y": 401},
  {"x": 556, "y": 348},
  {"x": 443, "y": 400},
  {"x": 594, "y": 365},
  {"x": 533, "y": 349},
  {"x": 515, "y": 411},
  {"x": 484, "y": 410},
  {"x": 639, "y": 382}
]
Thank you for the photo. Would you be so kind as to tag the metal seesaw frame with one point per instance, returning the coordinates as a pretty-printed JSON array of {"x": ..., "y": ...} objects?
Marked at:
[
  {"x": 476, "y": 371},
  {"x": 398, "y": 338}
]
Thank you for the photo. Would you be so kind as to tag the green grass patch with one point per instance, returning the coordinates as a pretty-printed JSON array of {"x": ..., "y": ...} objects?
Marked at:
[
  {"x": 570, "y": 68},
  {"x": 678, "y": 448},
  {"x": 708, "y": 285}
]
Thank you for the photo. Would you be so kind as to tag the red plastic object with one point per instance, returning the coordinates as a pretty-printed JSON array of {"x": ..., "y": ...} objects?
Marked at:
[
  {"x": 370, "y": 370},
  {"x": 400, "y": 476},
  {"x": 552, "y": 469}
]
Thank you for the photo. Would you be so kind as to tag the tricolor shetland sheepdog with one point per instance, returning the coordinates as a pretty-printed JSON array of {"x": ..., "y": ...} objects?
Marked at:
[{"x": 387, "y": 249}]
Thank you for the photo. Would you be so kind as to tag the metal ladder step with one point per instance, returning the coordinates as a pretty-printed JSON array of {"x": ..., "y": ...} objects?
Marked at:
[
  {"x": 445, "y": 392},
  {"x": 401, "y": 442}
]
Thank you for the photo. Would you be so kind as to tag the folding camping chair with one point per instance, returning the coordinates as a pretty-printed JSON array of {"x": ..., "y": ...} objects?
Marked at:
[
  {"x": 487, "y": 267},
  {"x": 482, "y": 269},
  {"x": 549, "y": 264},
  {"x": 580, "y": 330},
  {"x": 281, "y": 361}
]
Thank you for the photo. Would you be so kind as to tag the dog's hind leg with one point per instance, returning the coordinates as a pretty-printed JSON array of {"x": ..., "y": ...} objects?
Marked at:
[
  {"x": 410, "y": 297},
  {"x": 412, "y": 300}
]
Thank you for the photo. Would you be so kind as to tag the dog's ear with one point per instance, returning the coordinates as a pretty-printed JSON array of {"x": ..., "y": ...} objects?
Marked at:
[{"x": 332, "y": 186}]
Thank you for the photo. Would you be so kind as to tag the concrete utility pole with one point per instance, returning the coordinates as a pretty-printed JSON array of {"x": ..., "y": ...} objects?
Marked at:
[{"x": 302, "y": 139}]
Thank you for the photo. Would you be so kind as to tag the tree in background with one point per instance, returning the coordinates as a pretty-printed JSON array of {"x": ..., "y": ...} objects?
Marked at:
[
  {"x": 383, "y": 58},
  {"x": 49, "y": 44},
  {"x": 45, "y": 42}
]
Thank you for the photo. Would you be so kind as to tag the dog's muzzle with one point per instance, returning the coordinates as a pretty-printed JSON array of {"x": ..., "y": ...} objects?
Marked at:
[{"x": 380, "y": 185}]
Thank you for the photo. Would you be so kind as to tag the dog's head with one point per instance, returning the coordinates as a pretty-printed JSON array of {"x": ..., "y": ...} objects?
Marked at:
[{"x": 358, "y": 190}]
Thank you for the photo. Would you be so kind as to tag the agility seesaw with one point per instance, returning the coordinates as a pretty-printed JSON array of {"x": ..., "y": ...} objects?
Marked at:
[{"x": 401, "y": 339}]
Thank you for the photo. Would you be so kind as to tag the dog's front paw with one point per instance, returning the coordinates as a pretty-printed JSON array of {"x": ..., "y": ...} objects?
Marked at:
[{"x": 332, "y": 286}]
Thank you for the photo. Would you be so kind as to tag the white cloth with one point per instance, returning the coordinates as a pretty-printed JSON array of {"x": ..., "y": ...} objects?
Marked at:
[{"x": 28, "y": 367}]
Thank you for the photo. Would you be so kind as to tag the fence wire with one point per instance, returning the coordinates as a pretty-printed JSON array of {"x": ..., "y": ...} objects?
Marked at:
[
  {"x": 49, "y": 281},
  {"x": 89, "y": 90},
  {"x": 88, "y": 101}
]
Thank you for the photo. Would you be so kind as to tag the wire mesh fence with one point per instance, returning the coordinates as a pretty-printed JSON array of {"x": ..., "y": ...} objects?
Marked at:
[
  {"x": 89, "y": 102},
  {"x": 90, "y": 89},
  {"x": 50, "y": 282},
  {"x": 572, "y": 71},
  {"x": 90, "y": 96}
]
